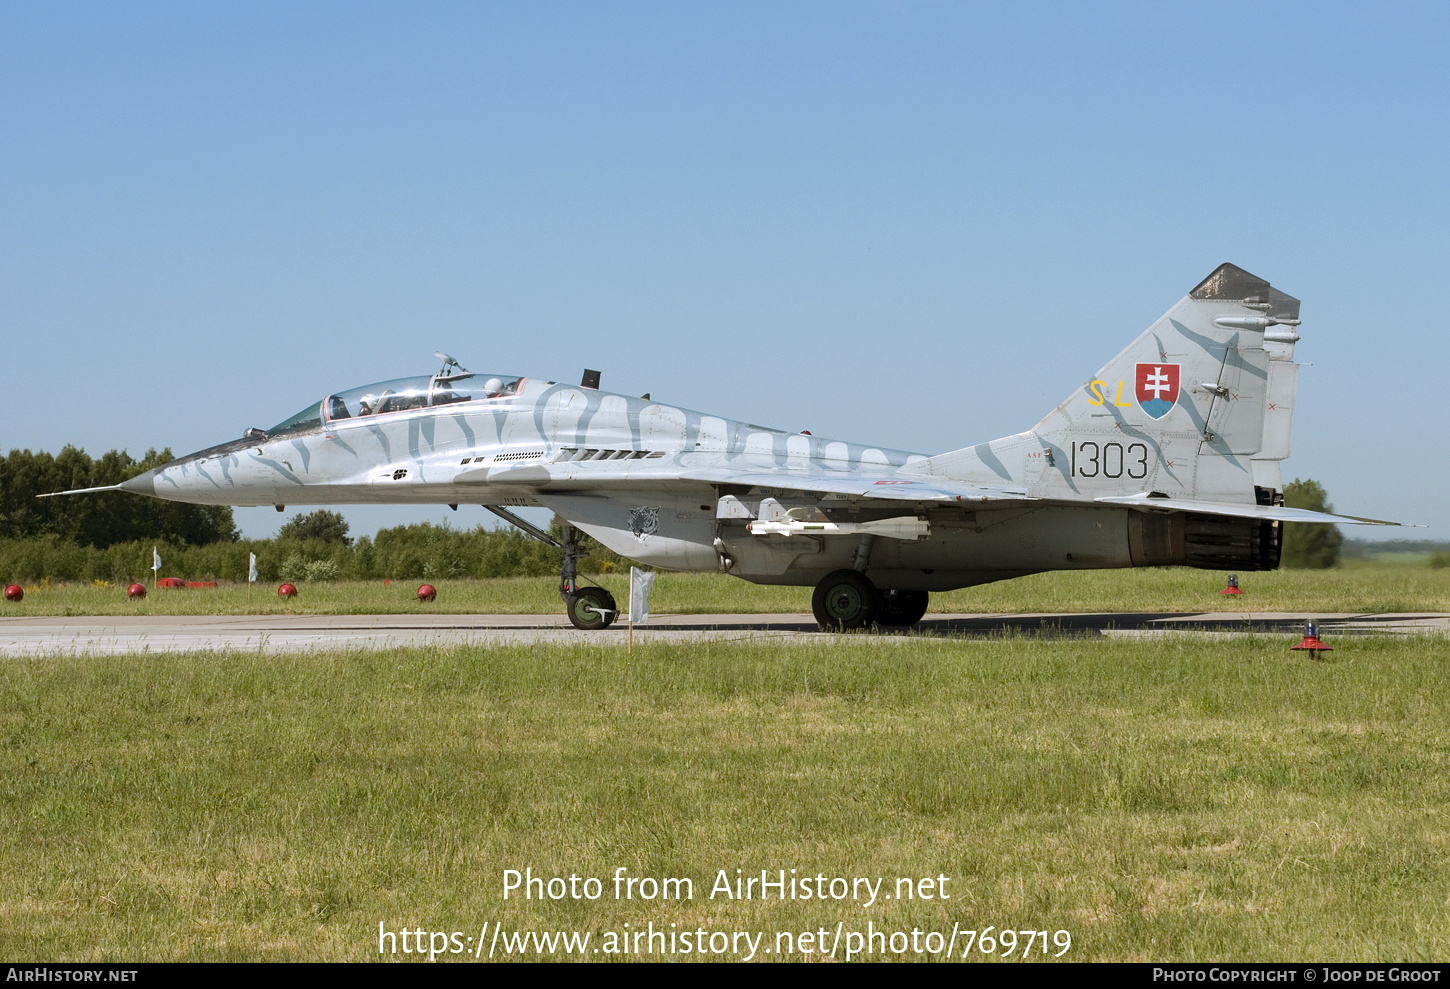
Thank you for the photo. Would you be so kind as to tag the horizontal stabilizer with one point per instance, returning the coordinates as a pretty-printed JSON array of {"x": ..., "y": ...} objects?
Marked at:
[{"x": 1267, "y": 513}]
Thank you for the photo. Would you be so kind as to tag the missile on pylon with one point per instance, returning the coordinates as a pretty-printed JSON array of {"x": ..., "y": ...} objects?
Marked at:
[{"x": 905, "y": 527}]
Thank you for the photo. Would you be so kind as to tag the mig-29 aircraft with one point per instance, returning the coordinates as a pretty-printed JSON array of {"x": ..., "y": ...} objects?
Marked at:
[{"x": 1168, "y": 455}]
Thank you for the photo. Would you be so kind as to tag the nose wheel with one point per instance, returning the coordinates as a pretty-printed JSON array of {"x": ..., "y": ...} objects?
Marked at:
[{"x": 591, "y": 608}]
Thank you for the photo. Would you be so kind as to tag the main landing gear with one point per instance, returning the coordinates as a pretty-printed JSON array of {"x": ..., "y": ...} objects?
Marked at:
[{"x": 846, "y": 599}]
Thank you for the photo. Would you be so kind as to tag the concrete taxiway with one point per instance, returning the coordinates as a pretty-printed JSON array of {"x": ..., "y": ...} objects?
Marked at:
[{"x": 127, "y": 634}]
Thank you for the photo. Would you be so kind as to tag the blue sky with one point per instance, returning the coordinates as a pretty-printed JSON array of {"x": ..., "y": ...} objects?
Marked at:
[{"x": 912, "y": 224}]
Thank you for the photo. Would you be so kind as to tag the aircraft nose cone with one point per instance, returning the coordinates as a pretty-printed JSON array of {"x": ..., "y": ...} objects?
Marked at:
[{"x": 142, "y": 484}]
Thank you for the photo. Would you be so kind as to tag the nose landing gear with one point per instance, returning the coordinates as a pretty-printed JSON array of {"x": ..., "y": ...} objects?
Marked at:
[{"x": 588, "y": 608}]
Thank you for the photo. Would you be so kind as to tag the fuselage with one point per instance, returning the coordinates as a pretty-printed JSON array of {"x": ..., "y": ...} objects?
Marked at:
[
  {"x": 474, "y": 451},
  {"x": 629, "y": 472}
]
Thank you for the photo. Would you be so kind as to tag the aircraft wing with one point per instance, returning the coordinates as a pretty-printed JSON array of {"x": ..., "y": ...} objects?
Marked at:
[
  {"x": 854, "y": 483},
  {"x": 1268, "y": 513},
  {"x": 861, "y": 484}
]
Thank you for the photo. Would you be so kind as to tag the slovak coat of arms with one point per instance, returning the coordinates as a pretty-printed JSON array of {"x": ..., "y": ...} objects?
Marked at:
[{"x": 1157, "y": 388}]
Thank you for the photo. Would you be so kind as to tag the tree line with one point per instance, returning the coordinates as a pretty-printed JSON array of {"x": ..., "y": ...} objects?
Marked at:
[
  {"x": 315, "y": 546},
  {"x": 1309, "y": 546},
  {"x": 104, "y": 519},
  {"x": 413, "y": 551}
]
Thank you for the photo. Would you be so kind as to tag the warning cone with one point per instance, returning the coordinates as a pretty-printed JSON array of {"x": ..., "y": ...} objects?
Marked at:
[
  {"x": 1233, "y": 585},
  {"x": 1311, "y": 641}
]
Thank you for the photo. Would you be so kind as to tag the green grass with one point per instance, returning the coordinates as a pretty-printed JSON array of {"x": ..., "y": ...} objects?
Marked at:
[
  {"x": 1165, "y": 799},
  {"x": 1179, "y": 589},
  {"x": 1405, "y": 559}
]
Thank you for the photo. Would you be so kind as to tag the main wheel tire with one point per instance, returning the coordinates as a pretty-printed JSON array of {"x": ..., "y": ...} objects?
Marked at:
[
  {"x": 590, "y": 608},
  {"x": 844, "y": 599},
  {"x": 899, "y": 609}
]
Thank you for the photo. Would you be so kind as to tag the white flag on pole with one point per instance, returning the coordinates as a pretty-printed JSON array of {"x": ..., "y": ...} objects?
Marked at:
[
  {"x": 155, "y": 560},
  {"x": 640, "y": 581},
  {"x": 252, "y": 569}
]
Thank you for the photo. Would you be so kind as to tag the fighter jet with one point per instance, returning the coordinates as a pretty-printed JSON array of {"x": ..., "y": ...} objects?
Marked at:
[{"x": 1168, "y": 455}]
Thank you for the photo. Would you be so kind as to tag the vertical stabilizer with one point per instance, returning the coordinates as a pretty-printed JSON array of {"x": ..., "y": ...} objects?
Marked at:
[{"x": 1199, "y": 406}]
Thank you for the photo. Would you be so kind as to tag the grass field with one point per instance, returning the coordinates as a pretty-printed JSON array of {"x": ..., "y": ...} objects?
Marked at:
[
  {"x": 1166, "y": 799},
  {"x": 1176, "y": 589}
]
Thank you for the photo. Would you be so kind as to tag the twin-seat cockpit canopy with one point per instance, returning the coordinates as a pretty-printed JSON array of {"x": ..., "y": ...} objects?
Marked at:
[{"x": 401, "y": 395}]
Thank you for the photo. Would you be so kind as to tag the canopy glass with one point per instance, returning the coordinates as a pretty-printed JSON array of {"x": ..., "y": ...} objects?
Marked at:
[{"x": 401, "y": 395}]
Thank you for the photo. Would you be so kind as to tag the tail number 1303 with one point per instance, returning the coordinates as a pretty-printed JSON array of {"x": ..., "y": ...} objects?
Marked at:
[{"x": 1091, "y": 459}]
